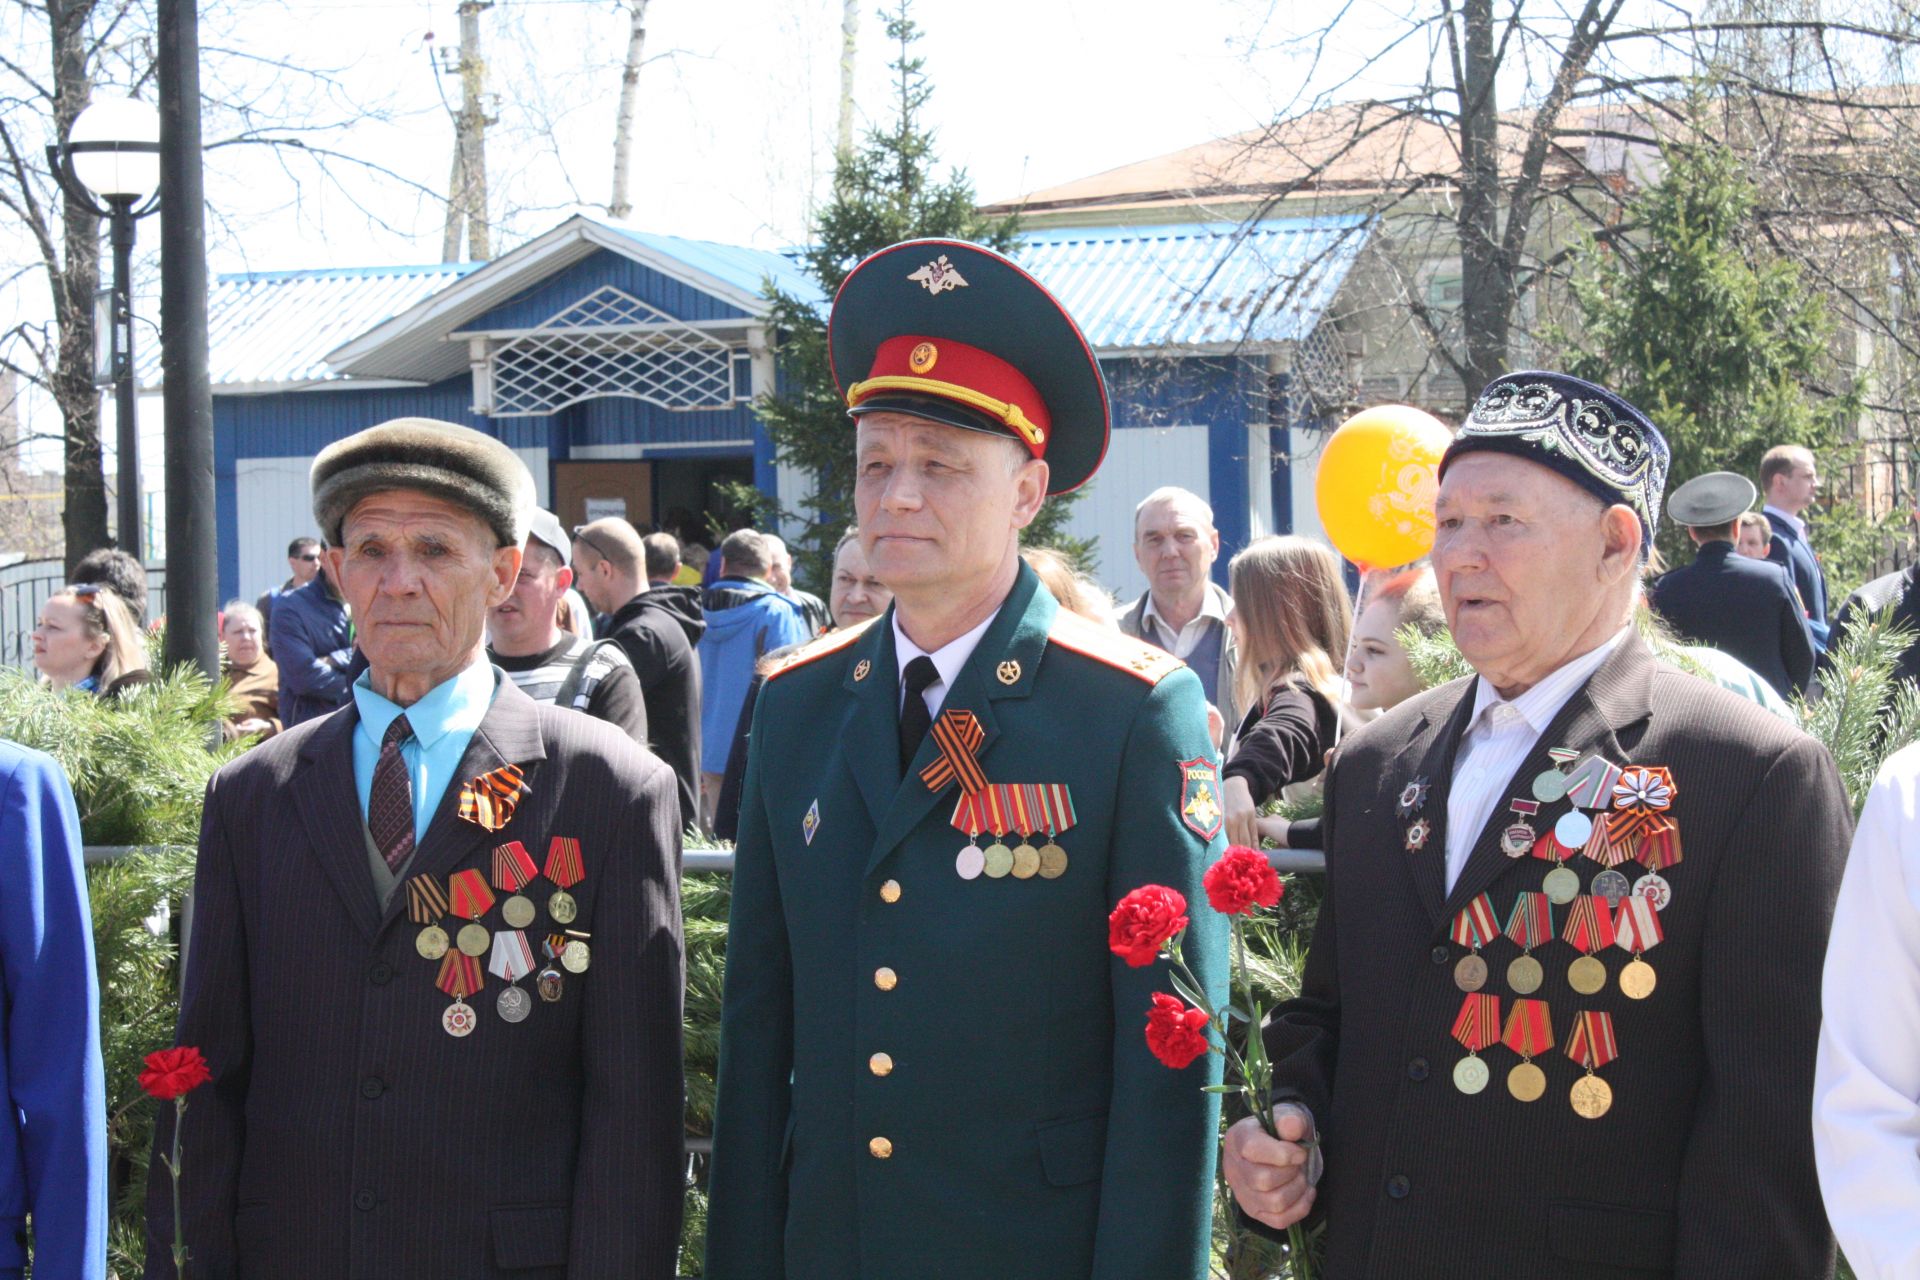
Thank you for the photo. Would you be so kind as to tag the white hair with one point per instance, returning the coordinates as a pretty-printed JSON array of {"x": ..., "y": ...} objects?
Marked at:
[
  {"x": 239, "y": 609},
  {"x": 1169, "y": 494}
]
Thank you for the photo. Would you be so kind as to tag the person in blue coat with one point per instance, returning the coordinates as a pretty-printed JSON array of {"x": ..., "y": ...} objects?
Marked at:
[
  {"x": 53, "y": 1165},
  {"x": 313, "y": 646}
]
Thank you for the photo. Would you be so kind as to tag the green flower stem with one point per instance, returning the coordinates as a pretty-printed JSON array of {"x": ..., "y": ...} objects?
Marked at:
[{"x": 173, "y": 1168}]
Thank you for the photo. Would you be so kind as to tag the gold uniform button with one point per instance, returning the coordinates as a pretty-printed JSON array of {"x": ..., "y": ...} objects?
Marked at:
[
  {"x": 880, "y": 1148},
  {"x": 885, "y": 978},
  {"x": 890, "y": 891},
  {"x": 880, "y": 1064}
]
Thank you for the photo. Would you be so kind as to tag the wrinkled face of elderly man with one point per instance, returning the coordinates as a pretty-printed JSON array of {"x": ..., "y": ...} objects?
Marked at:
[
  {"x": 1534, "y": 571},
  {"x": 420, "y": 574}
]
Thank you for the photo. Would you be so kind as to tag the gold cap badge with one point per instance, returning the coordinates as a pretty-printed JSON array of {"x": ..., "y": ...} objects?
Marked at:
[{"x": 923, "y": 357}]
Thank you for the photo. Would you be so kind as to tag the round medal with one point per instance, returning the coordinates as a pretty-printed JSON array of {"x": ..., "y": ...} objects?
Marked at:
[
  {"x": 1591, "y": 1097},
  {"x": 1638, "y": 979},
  {"x": 514, "y": 1004},
  {"x": 1470, "y": 1075},
  {"x": 1525, "y": 975},
  {"x": 1549, "y": 786},
  {"x": 970, "y": 863},
  {"x": 517, "y": 911},
  {"x": 1053, "y": 861},
  {"x": 576, "y": 957},
  {"x": 1026, "y": 861},
  {"x": 1654, "y": 889},
  {"x": 562, "y": 908},
  {"x": 998, "y": 860},
  {"x": 1527, "y": 1082},
  {"x": 1561, "y": 886},
  {"x": 1587, "y": 975},
  {"x": 551, "y": 983},
  {"x": 458, "y": 1019},
  {"x": 432, "y": 942},
  {"x": 1517, "y": 840},
  {"x": 1612, "y": 886},
  {"x": 473, "y": 940},
  {"x": 1573, "y": 828},
  {"x": 1471, "y": 973}
]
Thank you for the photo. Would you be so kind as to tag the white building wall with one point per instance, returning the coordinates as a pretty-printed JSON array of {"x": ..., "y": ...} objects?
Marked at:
[
  {"x": 1139, "y": 460},
  {"x": 273, "y": 507}
]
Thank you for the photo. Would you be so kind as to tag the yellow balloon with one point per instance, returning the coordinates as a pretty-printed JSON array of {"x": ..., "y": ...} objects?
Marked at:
[{"x": 1376, "y": 485}]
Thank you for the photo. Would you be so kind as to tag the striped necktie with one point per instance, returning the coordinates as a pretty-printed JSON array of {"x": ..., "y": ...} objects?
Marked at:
[{"x": 390, "y": 803}]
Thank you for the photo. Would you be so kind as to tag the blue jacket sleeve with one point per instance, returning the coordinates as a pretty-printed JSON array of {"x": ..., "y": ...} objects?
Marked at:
[
  {"x": 305, "y": 668},
  {"x": 53, "y": 1069}
]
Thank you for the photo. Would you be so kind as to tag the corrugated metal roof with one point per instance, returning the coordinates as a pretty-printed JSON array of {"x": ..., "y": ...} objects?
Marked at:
[
  {"x": 743, "y": 268},
  {"x": 277, "y": 326},
  {"x": 1217, "y": 285}
]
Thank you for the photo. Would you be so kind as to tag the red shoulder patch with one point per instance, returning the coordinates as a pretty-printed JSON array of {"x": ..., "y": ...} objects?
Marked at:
[{"x": 814, "y": 650}]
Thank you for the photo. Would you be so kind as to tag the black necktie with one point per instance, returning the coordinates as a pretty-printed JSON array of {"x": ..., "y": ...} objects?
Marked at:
[{"x": 915, "y": 719}]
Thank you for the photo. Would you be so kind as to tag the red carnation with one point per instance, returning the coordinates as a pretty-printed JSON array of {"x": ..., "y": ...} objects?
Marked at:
[
  {"x": 173, "y": 1072},
  {"x": 1242, "y": 880},
  {"x": 1176, "y": 1031},
  {"x": 1143, "y": 922}
]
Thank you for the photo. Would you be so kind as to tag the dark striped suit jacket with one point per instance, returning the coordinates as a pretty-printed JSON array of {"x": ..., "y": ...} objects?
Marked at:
[
  {"x": 1703, "y": 1167},
  {"x": 346, "y": 1134}
]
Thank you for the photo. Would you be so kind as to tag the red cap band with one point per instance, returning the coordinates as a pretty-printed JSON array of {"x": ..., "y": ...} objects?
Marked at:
[{"x": 965, "y": 375}]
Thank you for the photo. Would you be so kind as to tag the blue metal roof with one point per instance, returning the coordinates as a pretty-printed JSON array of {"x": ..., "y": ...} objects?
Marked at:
[
  {"x": 1208, "y": 285},
  {"x": 277, "y": 326},
  {"x": 743, "y": 268}
]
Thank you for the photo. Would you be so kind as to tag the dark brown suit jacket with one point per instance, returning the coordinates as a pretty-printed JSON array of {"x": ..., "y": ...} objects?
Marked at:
[
  {"x": 1704, "y": 1165},
  {"x": 345, "y": 1134}
]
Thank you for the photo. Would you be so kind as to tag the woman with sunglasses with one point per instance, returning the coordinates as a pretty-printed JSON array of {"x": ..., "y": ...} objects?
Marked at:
[{"x": 87, "y": 640}]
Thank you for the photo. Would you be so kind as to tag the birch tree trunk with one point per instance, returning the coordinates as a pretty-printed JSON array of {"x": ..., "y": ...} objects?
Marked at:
[
  {"x": 849, "y": 35},
  {"x": 621, "y": 206}
]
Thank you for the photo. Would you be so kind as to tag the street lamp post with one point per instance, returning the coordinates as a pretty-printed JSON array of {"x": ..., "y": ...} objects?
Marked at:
[{"x": 112, "y": 157}]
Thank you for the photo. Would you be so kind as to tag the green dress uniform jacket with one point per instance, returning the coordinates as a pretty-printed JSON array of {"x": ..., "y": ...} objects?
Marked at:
[{"x": 932, "y": 1077}]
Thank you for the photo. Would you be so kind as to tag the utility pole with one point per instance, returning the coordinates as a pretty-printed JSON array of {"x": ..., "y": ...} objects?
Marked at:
[
  {"x": 192, "y": 556},
  {"x": 621, "y": 206},
  {"x": 467, "y": 191}
]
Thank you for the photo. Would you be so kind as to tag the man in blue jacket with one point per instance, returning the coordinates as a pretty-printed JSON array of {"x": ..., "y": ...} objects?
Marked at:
[
  {"x": 313, "y": 645},
  {"x": 1789, "y": 480},
  {"x": 746, "y": 620},
  {"x": 53, "y": 1162}
]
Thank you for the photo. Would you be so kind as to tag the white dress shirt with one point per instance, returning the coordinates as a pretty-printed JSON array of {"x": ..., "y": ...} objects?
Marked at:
[
  {"x": 947, "y": 660},
  {"x": 1498, "y": 738},
  {"x": 1182, "y": 644},
  {"x": 1866, "y": 1089}
]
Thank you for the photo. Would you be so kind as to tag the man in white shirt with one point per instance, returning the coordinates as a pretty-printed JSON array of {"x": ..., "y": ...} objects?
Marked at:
[
  {"x": 1866, "y": 1092},
  {"x": 1560, "y": 1011},
  {"x": 1183, "y": 610}
]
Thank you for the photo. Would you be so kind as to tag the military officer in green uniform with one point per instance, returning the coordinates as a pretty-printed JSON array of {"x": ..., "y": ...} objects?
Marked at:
[{"x": 931, "y": 1066}]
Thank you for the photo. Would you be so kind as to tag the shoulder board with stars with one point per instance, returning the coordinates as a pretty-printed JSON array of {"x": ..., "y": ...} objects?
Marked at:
[
  {"x": 814, "y": 650},
  {"x": 1104, "y": 644}
]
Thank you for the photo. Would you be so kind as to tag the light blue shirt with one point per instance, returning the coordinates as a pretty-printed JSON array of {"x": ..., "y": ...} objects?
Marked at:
[{"x": 443, "y": 723}]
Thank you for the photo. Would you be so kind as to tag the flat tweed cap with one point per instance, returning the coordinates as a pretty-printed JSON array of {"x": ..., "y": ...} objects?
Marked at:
[
  {"x": 449, "y": 461},
  {"x": 1585, "y": 432},
  {"x": 1712, "y": 500}
]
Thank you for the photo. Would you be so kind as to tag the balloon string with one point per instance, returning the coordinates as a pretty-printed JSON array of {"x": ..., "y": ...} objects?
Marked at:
[{"x": 1359, "y": 607}]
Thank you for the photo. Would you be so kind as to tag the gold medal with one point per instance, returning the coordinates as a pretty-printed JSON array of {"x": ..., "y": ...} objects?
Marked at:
[
  {"x": 1525, "y": 975},
  {"x": 1527, "y": 1082},
  {"x": 517, "y": 911},
  {"x": 1470, "y": 1074},
  {"x": 473, "y": 940},
  {"x": 431, "y": 942},
  {"x": 1592, "y": 1096},
  {"x": 998, "y": 860},
  {"x": 562, "y": 908},
  {"x": 1026, "y": 861},
  {"x": 1561, "y": 886},
  {"x": 1053, "y": 861},
  {"x": 1638, "y": 979},
  {"x": 576, "y": 957},
  {"x": 1587, "y": 975},
  {"x": 1470, "y": 974}
]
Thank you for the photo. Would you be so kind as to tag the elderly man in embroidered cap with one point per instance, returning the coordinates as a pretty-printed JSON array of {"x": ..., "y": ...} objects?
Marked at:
[
  {"x": 435, "y": 964},
  {"x": 1560, "y": 1013},
  {"x": 931, "y": 1065}
]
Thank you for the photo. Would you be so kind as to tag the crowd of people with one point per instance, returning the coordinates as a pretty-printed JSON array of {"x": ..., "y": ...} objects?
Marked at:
[{"x": 447, "y": 879}]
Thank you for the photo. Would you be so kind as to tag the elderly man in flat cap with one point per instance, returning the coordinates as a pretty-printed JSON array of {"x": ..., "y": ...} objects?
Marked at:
[
  {"x": 931, "y": 1065},
  {"x": 1560, "y": 1013},
  {"x": 1734, "y": 603},
  {"x": 435, "y": 966}
]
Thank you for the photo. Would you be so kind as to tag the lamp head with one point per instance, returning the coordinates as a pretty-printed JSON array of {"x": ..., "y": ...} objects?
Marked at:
[{"x": 115, "y": 148}]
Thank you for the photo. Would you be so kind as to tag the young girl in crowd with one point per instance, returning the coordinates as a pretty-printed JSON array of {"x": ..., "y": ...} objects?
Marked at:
[
  {"x": 87, "y": 640},
  {"x": 1290, "y": 620}
]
